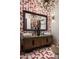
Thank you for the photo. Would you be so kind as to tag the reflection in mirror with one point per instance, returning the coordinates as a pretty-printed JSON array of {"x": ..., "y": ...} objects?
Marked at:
[{"x": 34, "y": 21}]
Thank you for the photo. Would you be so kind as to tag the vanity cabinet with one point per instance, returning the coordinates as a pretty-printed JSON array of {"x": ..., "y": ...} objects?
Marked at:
[{"x": 36, "y": 41}]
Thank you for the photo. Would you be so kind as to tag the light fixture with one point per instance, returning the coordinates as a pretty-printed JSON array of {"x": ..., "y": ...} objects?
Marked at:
[{"x": 48, "y": 3}]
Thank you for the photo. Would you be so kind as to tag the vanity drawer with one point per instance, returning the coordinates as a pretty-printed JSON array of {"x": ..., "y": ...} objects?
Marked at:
[{"x": 27, "y": 44}]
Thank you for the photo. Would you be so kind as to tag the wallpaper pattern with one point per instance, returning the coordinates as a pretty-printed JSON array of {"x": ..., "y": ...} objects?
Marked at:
[{"x": 34, "y": 6}]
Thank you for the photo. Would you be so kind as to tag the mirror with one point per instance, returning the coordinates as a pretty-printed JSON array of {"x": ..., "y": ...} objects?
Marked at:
[{"x": 33, "y": 21}]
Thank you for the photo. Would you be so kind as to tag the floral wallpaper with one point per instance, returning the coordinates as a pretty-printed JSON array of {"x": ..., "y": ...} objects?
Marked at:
[{"x": 37, "y": 6}]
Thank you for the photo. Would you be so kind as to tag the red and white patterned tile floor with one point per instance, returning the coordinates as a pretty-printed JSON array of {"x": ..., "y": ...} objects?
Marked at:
[{"x": 44, "y": 53}]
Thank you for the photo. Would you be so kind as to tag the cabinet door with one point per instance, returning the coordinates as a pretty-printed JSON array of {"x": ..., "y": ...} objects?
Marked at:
[
  {"x": 44, "y": 41},
  {"x": 27, "y": 44},
  {"x": 50, "y": 40},
  {"x": 37, "y": 42},
  {"x": 40, "y": 42}
]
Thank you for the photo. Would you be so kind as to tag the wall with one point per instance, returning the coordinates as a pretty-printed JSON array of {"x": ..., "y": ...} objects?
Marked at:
[
  {"x": 55, "y": 25},
  {"x": 37, "y": 7},
  {"x": 33, "y": 6}
]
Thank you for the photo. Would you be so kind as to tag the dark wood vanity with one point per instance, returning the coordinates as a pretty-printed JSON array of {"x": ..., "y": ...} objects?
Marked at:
[
  {"x": 31, "y": 42},
  {"x": 37, "y": 23}
]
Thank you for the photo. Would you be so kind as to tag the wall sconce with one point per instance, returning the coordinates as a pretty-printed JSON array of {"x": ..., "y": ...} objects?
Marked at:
[
  {"x": 48, "y": 3},
  {"x": 53, "y": 17}
]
